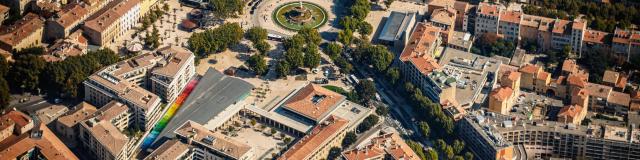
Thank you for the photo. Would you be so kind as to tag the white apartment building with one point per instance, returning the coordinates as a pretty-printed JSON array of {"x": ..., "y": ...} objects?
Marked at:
[
  {"x": 626, "y": 43},
  {"x": 487, "y": 17},
  {"x": 174, "y": 74},
  {"x": 142, "y": 83}
]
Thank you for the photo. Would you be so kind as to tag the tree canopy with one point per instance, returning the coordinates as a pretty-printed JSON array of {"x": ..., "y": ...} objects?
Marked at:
[
  {"x": 215, "y": 40},
  {"x": 257, "y": 64},
  {"x": 601, "y": 16},
  {"x": 224, "y": 9}
]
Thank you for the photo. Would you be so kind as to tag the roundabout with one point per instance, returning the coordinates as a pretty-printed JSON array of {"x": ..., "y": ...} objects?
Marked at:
[{"x": 297, "y": 15}]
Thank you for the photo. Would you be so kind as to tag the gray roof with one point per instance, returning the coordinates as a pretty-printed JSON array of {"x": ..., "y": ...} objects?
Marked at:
[
  {"x": 213, "y": 94},
  {"x": 395, "y": 24}
]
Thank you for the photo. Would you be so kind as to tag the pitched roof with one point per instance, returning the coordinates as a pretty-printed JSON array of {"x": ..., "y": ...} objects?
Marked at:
[
  {"x": 14, "y": 34},
  {"x": 76, "y": 115},
  {"x": 598, "y": 90},
  {"x": 610, "y": 76},
  {"x": 49, "y": 146},
  {"x": 488, "y": 9},
  {"x": 531, "y": 69},
  {"x": 390, "y": 144},
  {"x": 543, "y": 75},
  {"x": 3, "y": 9},
  {"x": 511, "y": 16},
  {"x": 594, "y": 36},
  {"x": 101, "y": 128},
  {"x": 501, "y": 93},
  {"x": 71, "y": 14},
  {"x": 570, "y": 111},
  {"x": 317, "y": 138},
  {"x": 171, "y": 149},
  {"x": 619, "y": 98},
  {"x": 576, "y": 80},
  {"x": 423, "y": 37},
  {"x": 560, "y": 26},
  {"x": 425, "y": 65},
  {"x": 176, "y": 59},
  {"x": 110, "y": 14},
  {"x": 314, "y": 102},
  {"x": 444, "y": 16}
]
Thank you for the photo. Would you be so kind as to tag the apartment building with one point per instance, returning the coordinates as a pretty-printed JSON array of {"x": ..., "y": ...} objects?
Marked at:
[
  {"x": 626, "y": 43},
  {"x": 212, "y": 145},
  {"x": 530, "y": 139},
  {"x": 111, "y": 22},
  {"x": 73, "y": 45},
  {"x": 24, "y": 33},
  {"x": 417, "y": 56},
  {"x": 173, "y": 73},
  {"x": 461, "y": 10},
  {"x": 142, "y": 83},
  {"x": 386, "y": 145},
  {"x": 24, "y": 138},
  {"x": 172, "y": 149},
  {"x": 445, "y": 18},
  {"x": 66, "y": 21},
  {"x": 103, "y": 132},
  {"x": 515, "y": 26},
  {"x": 67, "y": 126},
  {"x": 317, "y": 143}
]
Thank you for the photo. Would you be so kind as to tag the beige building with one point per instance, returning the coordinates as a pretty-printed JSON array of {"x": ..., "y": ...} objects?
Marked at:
[
  {"x": 626, "y": 43},
  {"x": 103, "y": 132},
  {"x": 66, "y": 126},
  {"x": 501, "y": 100},
  {"x": 173, "y": 73},
  {"x": 316, "y": 144},
  {"x": 572, "y": 114},
  {"x": 172, "y": 149},
  {"x": 4, "y": 13},
  {"x": 111, "y": 22},
  {"x": 389, "y": 145},
  {"x": 67, "y": 21},
  {"x": 26, "y": 32},
  {"x": 212, "y": 145}
]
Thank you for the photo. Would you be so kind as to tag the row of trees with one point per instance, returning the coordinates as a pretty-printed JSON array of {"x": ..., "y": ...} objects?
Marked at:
[
  {"x": 215, "y": 40},
  {"x": 490, "y": 45},
  {"x": 31, "y": 73},
  {"x": 602, "y": 16},
  {"x": 257, "y": 62},
  {"x": 355, "y": 21},
  {"x": 301, "y": 51}
]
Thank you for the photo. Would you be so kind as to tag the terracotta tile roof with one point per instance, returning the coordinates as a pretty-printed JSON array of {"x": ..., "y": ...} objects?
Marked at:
[
  {"x": 110, "y": 14},
  {"x": 530, "y": 69},
  {"x": 580, "y": 92},
  {"x": 570, "y": 111},
  {"x": 619, "y": 98},
  {"x": 317, "y": 138},
  {"x": 594, "y": 36},
  {"x": 220, "y": 143},
  {"x": 560, "y": 26},
  {"x": 14, "y": 34},
  {"x": 501, "y": 93},
  {"x": 3, "y": 9},
  {"x": 442, "y": 3},
  {"x": 48, "y": 114},
  {"x": 569, "y": 65},
  {"x": 390, "y": 144},
  {"x": 579, "y": 24},
  {"x": 425, "y": 65},
  {"x": 622, "y": 82},
  {"x": 423, "y": 37},
  {"x": 488, "y": 9},
  {"x": 610, "y": 76},
  {"x": 511, "y": 16},
  {"x": 444, "y": 16},
  {"x": 461, "y": 6},
  {"x": 598, "y": 90},
  {"x": 101, "y": 128},
  {"x": 512, "y": 75},
  {"x": 538, "y": 22},
  {"x": 172, "y": 149},
  {"x": 49, "y": 146},
  {"x": 543, "y": 75},
  {"x": 576, "y": 80},
  {"x": 76, "y": 115},
  {"x": 314, "y": 102},
  {"x": 626, "y": 36},
  {"x": 71, "y": 14}
]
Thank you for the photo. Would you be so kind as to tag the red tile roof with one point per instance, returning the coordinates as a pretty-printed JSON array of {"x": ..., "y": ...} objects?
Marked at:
[
  {"x": 421, "y": 40},
  {"x": 14, "y": 34},
  {"x": 314, "y": 102},
  {"x": 502, "y": 93},
  {"x": 570, "y": 111},
  {"x": 488, "y": 9},
  {"x": 594, "y": 36},
  {"x": 317, "y": 138},
  {"x": 531, "y": 69},
  {"x": 511, "y": 16}
]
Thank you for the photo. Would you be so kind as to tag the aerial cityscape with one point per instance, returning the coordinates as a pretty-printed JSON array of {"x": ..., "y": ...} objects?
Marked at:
[{"x": 319, "y": 79}]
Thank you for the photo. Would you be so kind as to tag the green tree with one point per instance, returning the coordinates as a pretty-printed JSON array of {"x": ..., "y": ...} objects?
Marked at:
[
  {"x": 311, "y": 36},
  {"x": 334, "y": 153},
  {"x": 297, "y": 41},
  {"x": 257, "y": 64},
  {"x": 256, "y": 34},
  {"x": 295, "y": 58},
  {"x": 348, "y": 23},
  {"x": 262, "y": 46},
  {"x": 432, "y": 154},
  {"x": 333, "y": 49},
  {"x": 5, "y": 96},
  {"x": 448, "y": 151},
  {"x": 417, "y": 148},
  {"x": 368, "y": 122},
  {"x": 468, "y": 156},
  {"x": 365, "y": 28},
  {"x": 224, "y": 9},
  {"x": 349, "y": 138},
  {"x": 345, "y": 67},
  {"x": 25, "y": 73},
  {"x": 312, "y": 58},
  {"x": 345, "y": 36},
  {"x": 366, "y": 90},
  {"x": 215, "y": 40},
  {"x": 458, "y": 146},
  {"x": 424, "y": 128},
  {"x": 441, "y": 145},
  {"x": 283, "y": 68},
  {"x": 393, "y": 74},
  {"x": 382, "y": 110},
  {"x": 4, "y": 66},
  {"x": 360, "y": 12}
]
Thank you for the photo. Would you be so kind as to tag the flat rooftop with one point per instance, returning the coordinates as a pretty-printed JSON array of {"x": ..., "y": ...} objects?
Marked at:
[
  {"x": 214, "y": 93},
  {"x": 395, "y": 24},
  {"x": 470, "y": 71}
]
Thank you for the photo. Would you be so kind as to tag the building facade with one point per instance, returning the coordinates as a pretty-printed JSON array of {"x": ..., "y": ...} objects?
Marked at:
[
  {"x": 111, "y": 22},
  {"x": 26, "y": 32}
]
